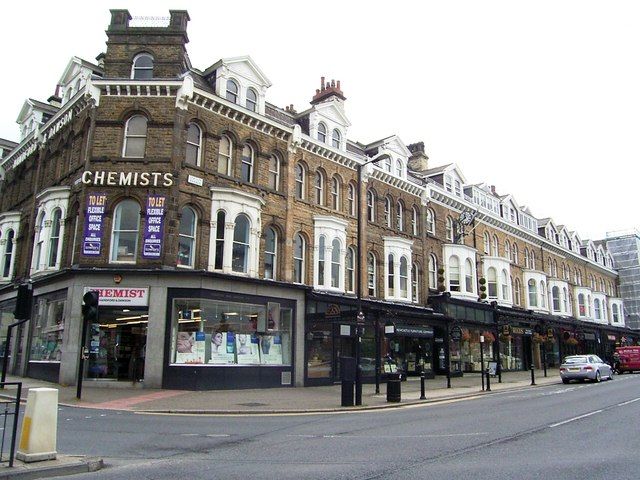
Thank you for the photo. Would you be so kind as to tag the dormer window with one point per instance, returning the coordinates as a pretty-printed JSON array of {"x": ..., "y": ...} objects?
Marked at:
[
  {"x": 142, "y": 67},
  {"x": 399, "y": 168},
  {"x": 387, "y": 165},
  {"x": 232, "y": 91},
  {"x": 322, "y": 133},
  {"x": 252, "y": 100},
  {"x": 336, "y": 138}
]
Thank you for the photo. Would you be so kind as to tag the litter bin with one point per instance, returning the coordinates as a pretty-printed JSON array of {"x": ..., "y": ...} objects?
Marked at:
[{"x": 394, "y": 387}]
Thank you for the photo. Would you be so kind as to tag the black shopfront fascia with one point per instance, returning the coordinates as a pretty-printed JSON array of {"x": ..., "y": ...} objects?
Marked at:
[
  {"x": 339, "y": 313},
  {"x": 223, "y": 377}
]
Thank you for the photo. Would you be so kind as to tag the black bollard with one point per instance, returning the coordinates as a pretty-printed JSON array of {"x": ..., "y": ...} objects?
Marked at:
[
  {"x": 488, "y": 381},
  {"x": 533, "y": 375},
  {"x": 422, "y": 393}
]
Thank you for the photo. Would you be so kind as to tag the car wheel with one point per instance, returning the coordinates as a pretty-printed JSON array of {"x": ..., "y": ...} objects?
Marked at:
[
  {"x": 565, "y": 380},
  {"x": 597, "y": 379}
]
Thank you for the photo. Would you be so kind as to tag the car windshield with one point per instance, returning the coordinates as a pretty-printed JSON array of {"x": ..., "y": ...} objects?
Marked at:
[{"x": 570, "y": 360}]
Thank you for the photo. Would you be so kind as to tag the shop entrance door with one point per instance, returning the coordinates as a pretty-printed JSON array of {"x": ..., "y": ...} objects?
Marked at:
[{"x": 117, "y": 346}]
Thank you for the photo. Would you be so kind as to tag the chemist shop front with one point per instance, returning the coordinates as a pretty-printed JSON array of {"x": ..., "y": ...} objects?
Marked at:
[{"x": 417, "y": 341}]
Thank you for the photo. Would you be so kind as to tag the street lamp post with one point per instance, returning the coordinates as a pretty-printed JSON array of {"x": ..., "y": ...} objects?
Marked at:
[{"x": 360, "y": 315}]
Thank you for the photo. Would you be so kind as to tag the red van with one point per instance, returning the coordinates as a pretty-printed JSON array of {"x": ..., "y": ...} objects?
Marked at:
[{"x": 627, "y": 359}]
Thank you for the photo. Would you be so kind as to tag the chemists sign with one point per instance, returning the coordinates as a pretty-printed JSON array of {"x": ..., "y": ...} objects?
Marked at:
[{"x": 121, "y": 296}]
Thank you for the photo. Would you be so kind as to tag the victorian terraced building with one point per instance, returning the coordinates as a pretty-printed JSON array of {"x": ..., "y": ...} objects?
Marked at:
[{"x": 221, "y": 232}]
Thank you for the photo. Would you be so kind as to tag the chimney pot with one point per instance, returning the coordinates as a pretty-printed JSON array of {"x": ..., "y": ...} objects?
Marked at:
[{"x": 321, "y": 83}]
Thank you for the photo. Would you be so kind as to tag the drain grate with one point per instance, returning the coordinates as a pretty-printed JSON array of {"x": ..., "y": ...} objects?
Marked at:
[{"x": 253, "y": 404}]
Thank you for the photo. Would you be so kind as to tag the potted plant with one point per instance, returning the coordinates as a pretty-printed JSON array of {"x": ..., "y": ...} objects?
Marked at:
[
  {"x": 441, "y": 287},
  {"x": 483, "y": 288},
  {"x": 489, "y": 337}
]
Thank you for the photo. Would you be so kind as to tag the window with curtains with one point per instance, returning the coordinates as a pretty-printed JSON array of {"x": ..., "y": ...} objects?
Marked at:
[{"x": 54, "y": 238}]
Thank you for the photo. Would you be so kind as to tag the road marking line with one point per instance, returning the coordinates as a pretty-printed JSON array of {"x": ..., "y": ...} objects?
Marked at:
[
  {"x": 189, "y": 434},
  {"x": 217, "y": 435},
  {"x": 627, "y": 403},
  {"x": 574, "y": 419},
  {"x": 393, "y": 436}
]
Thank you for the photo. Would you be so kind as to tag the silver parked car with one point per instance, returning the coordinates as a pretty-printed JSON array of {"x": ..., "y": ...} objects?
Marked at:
[{"x": 585, "y": 367}]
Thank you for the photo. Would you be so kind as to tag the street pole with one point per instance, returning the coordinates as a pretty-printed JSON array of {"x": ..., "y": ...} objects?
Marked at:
[{"x": 482, "y": 361}]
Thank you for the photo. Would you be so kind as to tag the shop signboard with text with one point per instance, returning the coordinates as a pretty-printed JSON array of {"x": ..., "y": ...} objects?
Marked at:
[
  {"x": 122, "y": 296},
  {"x": 93, "y": 224}
]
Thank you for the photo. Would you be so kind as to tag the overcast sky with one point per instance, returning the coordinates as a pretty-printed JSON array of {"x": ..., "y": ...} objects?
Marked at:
[{"x": 539, "y": 98}]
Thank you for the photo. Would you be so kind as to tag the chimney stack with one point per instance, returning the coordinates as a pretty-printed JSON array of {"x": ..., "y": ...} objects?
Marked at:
[{"x": 327, "y": 90}]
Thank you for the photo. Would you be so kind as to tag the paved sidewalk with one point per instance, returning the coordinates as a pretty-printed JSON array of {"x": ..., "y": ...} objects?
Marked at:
[{"x": 135, "y": 398}]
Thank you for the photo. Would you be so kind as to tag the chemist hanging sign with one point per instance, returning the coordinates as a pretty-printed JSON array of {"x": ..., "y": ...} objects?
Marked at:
[
  {"x": 92, "y": 238},
  {"x": 152, "y": 244}
]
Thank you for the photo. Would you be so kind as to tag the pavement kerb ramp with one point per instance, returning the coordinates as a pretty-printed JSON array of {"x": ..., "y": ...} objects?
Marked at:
[{"x": 63, "y": 465}]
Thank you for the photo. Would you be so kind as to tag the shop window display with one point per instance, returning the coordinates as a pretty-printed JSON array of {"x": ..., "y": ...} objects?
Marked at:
[
  {"x": 470, "y": 357},
  {"x": 48, "y": 329},
  {"x": 212, "y": 332}
]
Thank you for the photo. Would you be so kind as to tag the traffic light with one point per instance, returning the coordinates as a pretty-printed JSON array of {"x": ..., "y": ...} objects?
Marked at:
[{"x": 90, "y": 306}]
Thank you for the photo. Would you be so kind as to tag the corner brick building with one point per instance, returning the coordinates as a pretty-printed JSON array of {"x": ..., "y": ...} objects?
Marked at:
[{"x": 222, "y": 234}]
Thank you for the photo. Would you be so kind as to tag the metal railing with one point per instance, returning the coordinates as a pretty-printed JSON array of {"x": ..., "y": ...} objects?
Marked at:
[{"x": 10, "y": 412}]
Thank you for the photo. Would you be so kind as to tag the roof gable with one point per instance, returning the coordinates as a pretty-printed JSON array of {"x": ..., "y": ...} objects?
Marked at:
[
  {"x": 242, "y": 66},
  {"x": 332, "y": 110}
]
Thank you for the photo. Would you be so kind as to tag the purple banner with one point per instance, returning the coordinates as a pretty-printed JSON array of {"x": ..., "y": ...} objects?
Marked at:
[
  {"x": 152, "y": 244},
  {"x": 92, "y": 239}
]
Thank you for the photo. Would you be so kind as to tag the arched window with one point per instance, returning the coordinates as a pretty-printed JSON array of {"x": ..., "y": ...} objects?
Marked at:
[
  {"x": 415, "y": 226},
  {"x": 7, "y": 269},
  {"x": 516, "y": 292},
  {"x": 431, "y": 222},
  {"x": 400, "y": 215},
  {"x": 596, "y": 308},
  {"x": 54, "y": 238},
  {"x": 371, "y": 206},
  {"x": 415, "y": 285},
  {"x": 387, "y": 164},
  {"x": 399, "y": 168},
  {"x": 299, "y": 176},
  {"x": 526, "y": 258},
  {"x": 555, "y": 297},
  {"x": 495, "y": 251},
  {"x": 220, "y": 231},
  {"x": 454, "y": 274},
  {"x": 351, "y": 200},
  {"x": 142, "y": 68},
  {"x": 492, "y": 283},
  {"x": 135, "y": 137},
  {"x": 487, "y": 243},
  {"x": 270, "y": 253},
  {"x": 322, "y": 133},
  {"x": 449, "y": 229},
  {"x": 38, "y": 254},
  {"x": 335, "y": 193},
  {"x": 565, "y": 302},
  {"x": 507, "y": 249},
  {"x": 387, "y": 212},
  {"x": 554, "y": 268},
  {"x": 468, "y": 275},
  {"x": 371, "y": 274},
  {"x": 124, "y": 236},
  {"x": 588, "y": 305},
  {"x": 543, "y": 295},
  {"x": 252, "y": 100},
  {"x": 194, "y": 142},
  {"x": 614, "y": 313},
  {"x": 240, "y": 255},
  {"x": 187, "y": 237},
  {"x": 247, "y": 163},
  {"x": 532, "y": 260},
  {"x": 335, "y": 263},
  {"x": 336, "y": 138},
  {"x": 533, "y": 293},
  {"x": 433, "y": 271},
  {"x": 232, "y": 91},
  {"x": 390, "y": 276},
  {"x": 514, "y": 253},
  {"x": 404, "y": 277},
  {"x": 504, "y": 284},
  {"x": 319, "y": 187},
  {"x": 225, "y": 155},
  {"x": 298, "y": 258},
  {"x": 274, "y": 171},
  {"x": 350, "y": 277},
  {"x": 321, "y": 248},
  {"x": 582, "y": 311}
]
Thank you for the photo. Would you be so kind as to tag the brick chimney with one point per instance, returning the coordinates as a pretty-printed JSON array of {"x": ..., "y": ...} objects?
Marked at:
[
  {"x": 326, "y": 91},
  {"x": 418, "y": 161}
]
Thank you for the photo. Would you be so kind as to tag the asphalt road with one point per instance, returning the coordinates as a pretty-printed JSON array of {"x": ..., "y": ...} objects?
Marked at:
[{"x": 577, "y": 431}]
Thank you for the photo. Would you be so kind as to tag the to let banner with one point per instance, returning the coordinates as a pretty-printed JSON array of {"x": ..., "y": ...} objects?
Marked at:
[
  {"x": 93, "y": 224},
  {"x": 152, "y": 243}
]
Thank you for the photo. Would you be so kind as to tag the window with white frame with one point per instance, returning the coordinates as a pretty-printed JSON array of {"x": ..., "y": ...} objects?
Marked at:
[
  {"x": 331, "y": 237},
  {"x": 320, "y": 267},
  {"x": 270, "y": 253},
  {"x": 350, "y": 273},
  {"x": 565, "y": 300},
  {"x": 351, "y": 200},
  {"x": 555, "y": 298},
  {"x": 39, "y": 243},
  {"x": 194, "y": 143},
  {"x": 399, "y": 168},
  {"x": 527, "y": 261},
  {"x": 142, "y": 68},
  {"x": 514, "y": 253},
  {"x": 582, "y": 310},
  {"x": 533, "y": 293},
  {"x": 274, "y": 171},
  {"x": 371, "y": 206},
  {"x": 400, "y": 215},
  {"x": 589, "y": 305},
  {"x": 449, "y": 229},
  {"x": 615, "y": 313},
  {"x": 431, "y": 222},
  {"x": 247, "y": 164},
  {"x": 299, "y": 181},
  {"x": 532, "y": 260},
  {"x": 220, "y": 234},
  {"x": 298, "y": 258},
  {"x": 371, "y": 274},
  {"x": 335, "y": 193},
  {"x": 252, "y": 100},
  {"x": 596, "y": 308},
  {"x": 468, "y": 276},
  {"x": 8, "y": 241},
  {"x": 495, "y": 251},
  {"x": 322, "y": 133},
  {"x": 387, "y": 164},
  {"x": 404, "y": 277},
  {"x": 492, "y": 283},
  {"x": 454, "y": 274},
  {"x": 232, "y": 91},
  {"x": 387, "y": 212},
  {"x": 433, "y": 271},
  {"x": 391, "y": 276},
  {"x": 135, "y": 137},
  {"x": 487, "y": 243},
  {"x": 124, "y": 235},
  {"x": 516, "y": 292},
  {"x": 504, "y": 285},
  {"x": 240, "y": 258},
  {"x": 415, "y": 228},
  {"x": 187, "y": 238},
  {"x": 336, "y": 138},
  {"x": 54, "y": 238},
  {"x": 415, "y": 286},
  {"x": 507, "y": 249},
  {"x": 336, "y": 263},
  {"x": 543, "y": 295},
  {"x": 225, "y": 155},
  {"x": 319, "y": 188}
]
